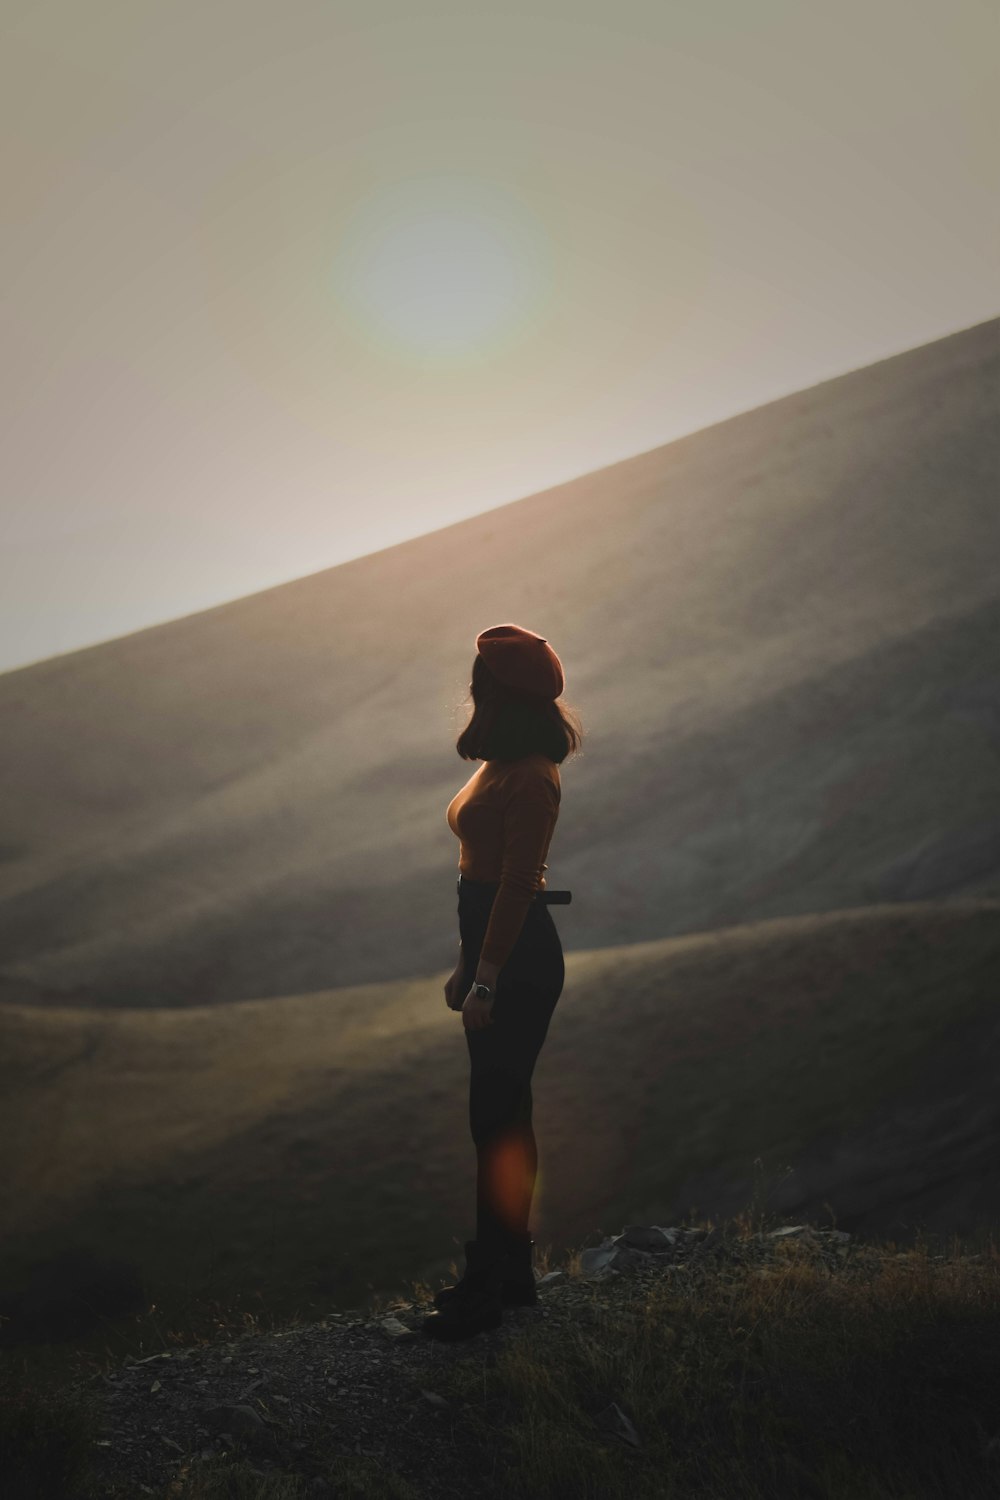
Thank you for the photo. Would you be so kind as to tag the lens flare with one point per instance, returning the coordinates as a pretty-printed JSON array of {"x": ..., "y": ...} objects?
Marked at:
[{"x": 443, "y": 267}]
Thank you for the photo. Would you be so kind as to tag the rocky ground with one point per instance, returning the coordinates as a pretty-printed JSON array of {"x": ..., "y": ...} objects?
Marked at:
[{"x": 364, "y": 1384}]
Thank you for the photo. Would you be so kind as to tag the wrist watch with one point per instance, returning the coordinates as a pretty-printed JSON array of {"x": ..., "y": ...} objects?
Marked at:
[{"x": 483, "y": 992}]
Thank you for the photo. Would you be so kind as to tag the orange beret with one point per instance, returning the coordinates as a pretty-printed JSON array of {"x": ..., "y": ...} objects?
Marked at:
[{"x": 521, "y": 659}]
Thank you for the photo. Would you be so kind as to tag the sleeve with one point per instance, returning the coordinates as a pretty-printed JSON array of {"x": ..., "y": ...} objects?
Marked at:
[{"x": 530, "y": 813}]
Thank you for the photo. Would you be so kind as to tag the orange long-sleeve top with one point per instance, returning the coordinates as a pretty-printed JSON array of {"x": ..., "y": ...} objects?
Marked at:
[{"x": 504, "y": 818}]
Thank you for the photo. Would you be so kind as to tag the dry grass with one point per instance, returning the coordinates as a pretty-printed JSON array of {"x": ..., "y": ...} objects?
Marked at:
[
  {"x": 879, "y": 1380},
  {"x": 874, "y": 1375}
]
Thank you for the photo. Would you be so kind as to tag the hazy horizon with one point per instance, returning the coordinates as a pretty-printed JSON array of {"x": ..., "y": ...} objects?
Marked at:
[{"x": 286, "y": 287}]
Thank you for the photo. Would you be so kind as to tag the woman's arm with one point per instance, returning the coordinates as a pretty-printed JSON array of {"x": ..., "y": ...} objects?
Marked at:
[
  {"x": 486, "y": 973},
  {"x": 531, "y": 809}
]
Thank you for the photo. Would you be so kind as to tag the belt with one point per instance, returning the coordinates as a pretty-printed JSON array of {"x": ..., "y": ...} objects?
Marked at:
[{"x": 545, "y": 897}]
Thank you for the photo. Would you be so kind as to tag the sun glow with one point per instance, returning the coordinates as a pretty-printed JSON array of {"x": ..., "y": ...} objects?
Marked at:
[{"x": 442, "y": 268}]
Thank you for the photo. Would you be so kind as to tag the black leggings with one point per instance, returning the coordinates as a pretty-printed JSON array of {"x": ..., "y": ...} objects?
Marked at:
[{"x": 502, "y": 1058}]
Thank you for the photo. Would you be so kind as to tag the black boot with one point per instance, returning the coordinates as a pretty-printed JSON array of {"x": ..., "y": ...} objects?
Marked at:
[
  {"x": 517, "y": 1280},
  {"x": 518, "y": 1287},
  {"x": 475, "y": 1305}
]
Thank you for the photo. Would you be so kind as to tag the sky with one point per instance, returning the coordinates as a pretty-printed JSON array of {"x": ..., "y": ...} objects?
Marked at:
[{"x": 286, "y": 283}]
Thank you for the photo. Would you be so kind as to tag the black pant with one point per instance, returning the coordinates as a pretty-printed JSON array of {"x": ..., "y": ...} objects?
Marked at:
[{"x": 502, "y": 1057}]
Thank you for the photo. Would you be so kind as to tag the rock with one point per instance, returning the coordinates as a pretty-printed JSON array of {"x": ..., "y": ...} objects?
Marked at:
[
  {"x": 649, "y": 1237},
  {"x": 395, "y": 1329},
  {"x": 625, "y": 1259},
  {"x": 235, "y": 1418},
  {"x": 612, "y": 1419},
  {"x": 598, "y": 1262},
  {"x": 240, "y": 1422}
]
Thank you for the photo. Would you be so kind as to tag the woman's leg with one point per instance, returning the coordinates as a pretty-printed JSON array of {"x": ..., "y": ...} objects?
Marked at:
[
  {"x": 502, "y": 1058},
  {"x": 506, "y": 1155}
]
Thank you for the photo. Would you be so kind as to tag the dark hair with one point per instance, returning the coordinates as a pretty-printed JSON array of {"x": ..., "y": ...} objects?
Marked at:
[{"x": 507, "y": 723}]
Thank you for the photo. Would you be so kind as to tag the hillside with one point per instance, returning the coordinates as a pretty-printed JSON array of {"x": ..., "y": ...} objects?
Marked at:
[
  {"x": 312, "y": 1150},
  {"x": 690, "y": 1361},
  {"x": 781, "y": 633}
]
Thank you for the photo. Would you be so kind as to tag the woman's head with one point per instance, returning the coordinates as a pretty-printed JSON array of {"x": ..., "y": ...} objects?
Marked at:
[{"x": 508, "y": 721}]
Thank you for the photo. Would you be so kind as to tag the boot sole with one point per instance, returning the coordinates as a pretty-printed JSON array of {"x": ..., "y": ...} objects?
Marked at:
[
  {"x": 510, "y": 1296},
  {"x": 448, "y": 1331}
]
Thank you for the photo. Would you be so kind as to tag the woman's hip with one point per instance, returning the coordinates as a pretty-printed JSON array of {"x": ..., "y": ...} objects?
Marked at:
[
  {"x": 537, "y": 942},
  {"x": 475, "y": 903},
  {"x": 535, "y": 965}
]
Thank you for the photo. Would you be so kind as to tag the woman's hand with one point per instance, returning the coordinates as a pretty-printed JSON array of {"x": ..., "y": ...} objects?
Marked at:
[
  {"x": 454, "y": 989},
  {"x": 458, "y": 995},
  {"x": 476, "y": 1013}
]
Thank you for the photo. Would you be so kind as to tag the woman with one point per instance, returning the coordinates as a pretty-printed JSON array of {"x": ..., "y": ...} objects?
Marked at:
[{"x": 510, "y": 970}]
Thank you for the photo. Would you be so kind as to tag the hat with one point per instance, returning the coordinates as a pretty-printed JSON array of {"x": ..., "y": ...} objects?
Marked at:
[{"x": 521, "y": 659}]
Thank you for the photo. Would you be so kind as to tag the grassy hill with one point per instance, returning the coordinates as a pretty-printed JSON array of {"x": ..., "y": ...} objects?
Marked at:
[
  {"x": 749, "y": 1364},
  {"x": 781, "y": 633},
  {"x": 306, "y": 1153}
]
